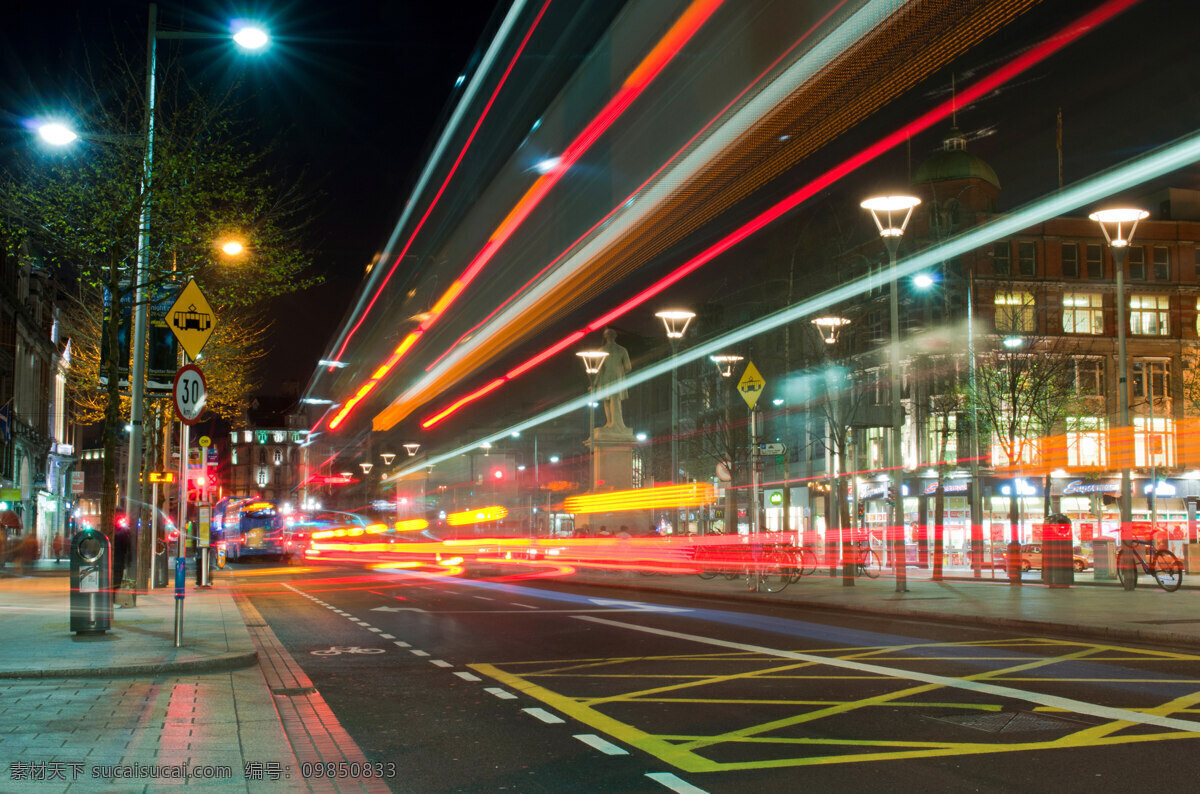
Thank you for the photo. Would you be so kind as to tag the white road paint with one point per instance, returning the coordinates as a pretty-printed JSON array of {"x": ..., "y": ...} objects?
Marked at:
[
  {"x": 503, "y": 694},
  {"x": 417, "y": 652},
  {"x": 544, "y": 716},
  {"x": 396, "y": 609},
  {"x": 484, "y": 598},
  {"x": 377, "y": 631},
  {"x": 524, "y": 606},
  {"x": 608, "y": 748},
  {"x": 388, "y": 636},
  {"x": 675, "y": 783},
  {"x": 440, "y": 663},
  {"x": 402, "y": 644},
  {"x": 636, "y": 605},
  {"x": 468, "y": 676},
  {"x": 997, "y": 690}
]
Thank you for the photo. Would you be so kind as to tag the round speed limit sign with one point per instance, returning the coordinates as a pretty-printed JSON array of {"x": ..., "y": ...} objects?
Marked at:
[{"x": 190, "y": 394}]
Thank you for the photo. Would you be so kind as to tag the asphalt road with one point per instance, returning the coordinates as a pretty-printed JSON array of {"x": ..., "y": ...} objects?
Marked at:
[{"x": 476, "y": 685}]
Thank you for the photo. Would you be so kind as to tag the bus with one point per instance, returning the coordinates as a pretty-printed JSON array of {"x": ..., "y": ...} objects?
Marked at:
[{"x": 249, "y": 527}]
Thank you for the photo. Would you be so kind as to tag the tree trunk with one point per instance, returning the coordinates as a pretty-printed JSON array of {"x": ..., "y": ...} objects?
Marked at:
[{"x": 112, "y": 409}]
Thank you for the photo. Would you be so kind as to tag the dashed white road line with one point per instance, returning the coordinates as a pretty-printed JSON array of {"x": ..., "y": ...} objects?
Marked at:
[
  {"x": 485, "y": 598},
  {"x": 400, "y": 644},
  {"x": 608, "y": 748},
  {"x": 527, "y": 606},
  {"x": 503, "y": 694},
  {"x": 440, "y": 663},
  {"x": 388, "y": 636},
  {"x": 468, "y": 676},
  {"x": 544, "y": 716},
  {"x": 416, "y": 652},
  {"x": 377, "y": 631},
  {"x": 675, "y": 783}
]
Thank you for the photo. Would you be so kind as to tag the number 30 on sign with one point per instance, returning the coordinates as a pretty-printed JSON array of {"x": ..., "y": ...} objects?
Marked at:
[{"x": 190, "y": 394}]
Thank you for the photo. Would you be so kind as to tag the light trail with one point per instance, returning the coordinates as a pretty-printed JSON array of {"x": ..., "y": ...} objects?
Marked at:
[
  {"x": 979, "y": 89},
  {"x": 1164, "y": 160},
  {"x": 649, "y": 68}
]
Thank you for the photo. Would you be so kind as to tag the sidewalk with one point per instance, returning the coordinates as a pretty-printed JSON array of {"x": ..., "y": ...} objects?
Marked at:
[
  {"x": 1089, "y": 610},
  {"x": 127, "y": 711}
]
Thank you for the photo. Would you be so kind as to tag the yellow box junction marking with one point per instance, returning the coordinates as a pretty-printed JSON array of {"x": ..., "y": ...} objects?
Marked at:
[{"x": 687, "y": 752}]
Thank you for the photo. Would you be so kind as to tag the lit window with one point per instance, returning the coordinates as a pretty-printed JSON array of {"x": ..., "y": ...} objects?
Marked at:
[
  {"x": 233, "y": 455},
  {"x": 1148, "y": 315},
  {"x": 1083, "y": 313},
  {"x": 1152, "y": 379},
  {"x": 277, "y": 454},
  {"x": 1153, "y": 441},
  {"x": 247, "y": 436},
  {"x": 278, "y": 436},
  {"x": 1085, "y": 441},
  {"x": 1014, "y": 312},
  {"x": 264, "y": 477}
]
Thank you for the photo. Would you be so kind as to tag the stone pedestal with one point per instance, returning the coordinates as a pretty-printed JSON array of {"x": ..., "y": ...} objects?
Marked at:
[{"x": 612, "y": 470}]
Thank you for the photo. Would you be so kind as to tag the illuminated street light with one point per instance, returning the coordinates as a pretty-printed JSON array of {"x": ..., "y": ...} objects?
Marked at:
[
  {"x": 366, "y": 467},
  {"x": 592, "y": 360},
  {"x": 829, "y": 327},
  {"x": 232, "y": 248},
  {"x": 56, "y": 134},
  {"x": 725, "y": 364},
  {"x": 411, "y": 449},
  {"x": 676, "y": 322},
  {"x": 884, "y": 210},
  {"x": 922, "y": 281},
  {"x": 388, "y": 457},
  {"x": 249, "y": 36},
  {"x": 1113, "y": 224},
  {"x": 1013, "y": 342}
]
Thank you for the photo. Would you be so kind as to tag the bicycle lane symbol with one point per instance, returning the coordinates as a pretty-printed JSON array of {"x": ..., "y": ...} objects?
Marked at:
[{"x": 338, "y": 650}]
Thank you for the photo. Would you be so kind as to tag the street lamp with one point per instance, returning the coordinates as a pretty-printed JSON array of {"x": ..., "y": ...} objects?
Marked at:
[
  {"x": 592, "y": 361},
  {"x": 249, "y": 37},
  {"x": 829, "y": 327},
  {"x": 411, "y": 448},
  {"x": 1113, "y": 224},
  {"x": 675, "y": 321},
  {"x": 884, "y": 210},
  {"x": 725, "y": 364},
  {"x": 56, "y": 134}
]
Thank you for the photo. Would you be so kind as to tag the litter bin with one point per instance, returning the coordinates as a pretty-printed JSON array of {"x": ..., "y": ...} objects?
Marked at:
[
  {"x": 91, "y": 589},
  {"x": 162, "y": 563},
  {"x": 1058, "y": 569}
]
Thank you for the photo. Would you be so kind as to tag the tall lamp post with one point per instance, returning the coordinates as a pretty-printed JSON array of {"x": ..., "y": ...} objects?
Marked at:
[
  {"x": 249, "y": 38},
  {"x": 725, "y": 364},
  {"x": 829, "y": 327},
  {"x": 676, "y": 322},
  {"x": 884, "y": 210},
  {"x": 1114, "y": 223}
]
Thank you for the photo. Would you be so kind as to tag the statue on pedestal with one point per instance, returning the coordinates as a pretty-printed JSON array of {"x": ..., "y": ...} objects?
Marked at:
[{"x": 616, "y": 366}]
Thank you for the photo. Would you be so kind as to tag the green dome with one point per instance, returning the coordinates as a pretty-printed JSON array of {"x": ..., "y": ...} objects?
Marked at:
[{"x": 954, "y": 162}]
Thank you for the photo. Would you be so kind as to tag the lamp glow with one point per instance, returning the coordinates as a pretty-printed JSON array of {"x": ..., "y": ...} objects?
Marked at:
[{"x": 56, "y": 134}]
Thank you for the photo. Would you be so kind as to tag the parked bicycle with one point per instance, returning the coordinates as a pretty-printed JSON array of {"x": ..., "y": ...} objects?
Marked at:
[
  {"x": 865, "y": 560},
  {"x": 1161, "y": 564}
]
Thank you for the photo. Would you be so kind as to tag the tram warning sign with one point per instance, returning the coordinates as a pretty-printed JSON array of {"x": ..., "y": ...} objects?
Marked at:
[
  {"x": 751, "y": 385},
  {"x": 191, "y": 319}
]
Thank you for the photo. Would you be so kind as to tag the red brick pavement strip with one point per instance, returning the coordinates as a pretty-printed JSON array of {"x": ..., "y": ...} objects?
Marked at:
[{"x": 315, "y": 734}]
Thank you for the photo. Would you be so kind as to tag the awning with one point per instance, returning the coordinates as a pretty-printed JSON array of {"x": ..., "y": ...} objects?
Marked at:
[{"x": 10, "y": 519}]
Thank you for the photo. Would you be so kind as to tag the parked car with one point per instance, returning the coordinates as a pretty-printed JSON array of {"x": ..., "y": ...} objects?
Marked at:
[{"x": 1031, "y": 557}]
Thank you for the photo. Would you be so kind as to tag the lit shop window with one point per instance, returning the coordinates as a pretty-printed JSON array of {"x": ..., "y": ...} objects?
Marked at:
[{"x": 1083, "y": 313}]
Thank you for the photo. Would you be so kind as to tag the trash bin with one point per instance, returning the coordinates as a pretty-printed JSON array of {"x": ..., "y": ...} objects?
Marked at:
[
  {"x": 91, "y": 589},
  {"x": 1104, "y": 559},
  {"x": 1058, "y": 569}
]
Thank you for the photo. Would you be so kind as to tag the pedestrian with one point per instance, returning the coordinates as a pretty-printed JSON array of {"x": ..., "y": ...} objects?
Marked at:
[
  {"x": 623, "y": 532},
  {"x": 59, "y": 545},
  {"x": 604, "y": 533}
]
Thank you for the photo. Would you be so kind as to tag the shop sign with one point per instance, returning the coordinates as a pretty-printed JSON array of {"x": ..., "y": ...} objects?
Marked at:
[
  {"x": 1163, "y": 489},
  {"x": 1023, "y": 488},
  {"x": 1081, "y": 487},
  {"x": 949, "y": 487}
]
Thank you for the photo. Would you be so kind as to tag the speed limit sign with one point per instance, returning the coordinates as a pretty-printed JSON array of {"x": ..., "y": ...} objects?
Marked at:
[{"x": 190, "y": 394}]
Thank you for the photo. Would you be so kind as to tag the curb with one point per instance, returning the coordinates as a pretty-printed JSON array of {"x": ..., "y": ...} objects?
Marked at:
[
  {"x": 1105, "y": 633},
  {"x": 212, "y": 664}
]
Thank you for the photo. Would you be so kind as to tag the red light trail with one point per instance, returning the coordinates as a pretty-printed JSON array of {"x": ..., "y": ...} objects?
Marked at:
[{"x": 987, "y": 84}]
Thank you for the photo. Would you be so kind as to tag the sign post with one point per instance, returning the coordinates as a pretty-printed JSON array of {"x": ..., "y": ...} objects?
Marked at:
[{"x": 751, "y": 387}]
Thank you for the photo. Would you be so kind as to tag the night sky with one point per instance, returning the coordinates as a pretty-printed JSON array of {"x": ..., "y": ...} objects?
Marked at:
[{"x": 351, "y": 92}]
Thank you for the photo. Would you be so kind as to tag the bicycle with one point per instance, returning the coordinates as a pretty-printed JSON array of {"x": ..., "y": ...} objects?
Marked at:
[
  {"x": 866, "y": 561},
  {"x": 773, "y": 568},
  {"x": 1161, "y": 564}
]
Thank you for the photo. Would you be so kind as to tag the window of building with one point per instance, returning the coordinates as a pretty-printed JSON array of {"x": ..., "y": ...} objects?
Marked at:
[
  {"x": 277, "y": 456},
  {"x": 1198, "y": 316},
  {"x": 1161, "y": 263},
  {"x": 943, "y": 429},
  {"x": 1070, "y": 260},
  {"x": 1002, "y": 258},
  {"x": 1095, "y": 261},
  {"x": 1086, "y": 444},
  {"x": 1007, "y": 452},
  {"x": 247, "y": 436},
  {"x": 1148, "y": 315},
  {"x": 1152, "y": 379},
  {"x": 1136, "y": 258},
  {"x": 1196, "y": 259},
  {"x": 264, "y": 477},
  {"x": 1089, "y": 376},
  {"x": 233, "y": 437},
  {"x": 233, "y": 455},
  {"x": 1083, "y": 313},
  {"x": 1027, "y": 259},
  {"x": 260, "y": 436},
  {"x": 1014, "y": 312},
  {"x": 262, "y": 455},
  {"x": 278, "y": 436},
  {"x": 1154, "y": 441}
]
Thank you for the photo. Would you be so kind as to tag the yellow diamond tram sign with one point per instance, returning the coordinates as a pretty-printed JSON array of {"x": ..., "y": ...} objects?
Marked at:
[
  {"x": 191, "y": 319},
  {"x": 751, "y": 385}
]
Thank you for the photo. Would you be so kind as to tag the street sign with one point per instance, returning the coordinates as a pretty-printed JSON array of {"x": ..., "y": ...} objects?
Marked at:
[
  {"x": 191, "y": 319},
  {"x": 162, "y": 476},
  {"x": 190, "y": 393},
  {"x": 751, "y": 385},
  {"x": 771, "y": 449},
  {"x": 204, "y": 441}
]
